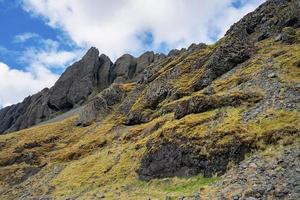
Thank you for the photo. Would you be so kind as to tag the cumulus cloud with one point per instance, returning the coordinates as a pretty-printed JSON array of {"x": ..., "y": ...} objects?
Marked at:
[
  {"x": 40, "y": 61},
  {"x": 15, "y": 85},
  {"x": 47, "y": 54},
  {"x": 24, "y": 37},
  {"x": 116, "y": 26}
]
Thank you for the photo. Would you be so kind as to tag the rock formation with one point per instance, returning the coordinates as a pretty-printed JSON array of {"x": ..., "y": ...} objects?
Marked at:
[
  {"x": 81, "y": 81},
  {"x": 226, "y": 115}
]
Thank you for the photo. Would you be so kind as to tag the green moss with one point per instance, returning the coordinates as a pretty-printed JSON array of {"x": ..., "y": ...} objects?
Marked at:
[
  {"x": 104, "y": 157},
  {"x": 187, "y": 77},
  {"x": 284, "y": 57},
  {"x": 174, "y": 187},
  {"x": 127, "y": 87},
  {"x": 190, "y": 185},
  {"x": 231, "y": 121}
]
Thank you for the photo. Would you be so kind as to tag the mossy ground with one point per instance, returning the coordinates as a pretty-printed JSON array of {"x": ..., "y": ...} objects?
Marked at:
[
  {"x": 103, "y": 158},
  {"x": 91, "y": 166},
  {"x": 109, "y": 168}
]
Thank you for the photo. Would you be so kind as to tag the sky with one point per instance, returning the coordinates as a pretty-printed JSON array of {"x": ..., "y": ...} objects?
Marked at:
[{"x": 39, "y": 39}]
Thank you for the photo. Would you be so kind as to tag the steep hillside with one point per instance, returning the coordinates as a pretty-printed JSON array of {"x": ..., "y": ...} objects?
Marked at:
[
  {"x": 81, "y": 81},
  {"x": 221, "y": 121}
]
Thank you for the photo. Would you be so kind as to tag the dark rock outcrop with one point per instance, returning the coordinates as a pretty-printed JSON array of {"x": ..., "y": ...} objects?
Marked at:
[
  {"x": 176, "y": 52},
  {"x": 77, "y": 82},
  {"x": 200, "y": 104},
  {"x": 32, "y": 110},
  {"x": 73, "y": 88},
  {"x": 123, "y": 69},
  {"x": 134, "y": 118},
  {"x": 80, "y": 82},
  {"x": 172, "y": 154},
  {"x": 143, "y": 62},
  {"x": 288, "y": 35},
  {"x": 196, "y": 47},
  {"x": 169, "y": 159},
  {"x": 155, "y": 93},
  {"x": 262, "y": 177},
  {"x": 235, "y": 50},
  {"x": 84, "y": 79},
  {"x": 238, "y": 45},
  {"x": 128, "y": 68},
  {"x": 75, "y": 85}
]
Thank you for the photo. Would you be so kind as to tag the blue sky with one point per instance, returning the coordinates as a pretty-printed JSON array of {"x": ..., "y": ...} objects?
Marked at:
[
  {"x": 40, "y": 38},
  {"x": 24, "y": 31}
]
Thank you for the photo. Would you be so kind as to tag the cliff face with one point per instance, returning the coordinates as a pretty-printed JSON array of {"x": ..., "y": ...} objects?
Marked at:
[
  {"x": 92, "y": 73},
  {"x": 146, "y": 122},
  {"x": 80, "y": 81}
]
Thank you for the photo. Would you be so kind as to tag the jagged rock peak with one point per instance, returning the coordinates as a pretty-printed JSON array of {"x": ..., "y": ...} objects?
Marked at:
[
  {"x": 91, "y": 53},
  {"x": 191, "y": 48},
  {"x": 82, "y": 80},
  {"x": 268, "y": 19},
  {"x": 93, "y": 73},
  {"x": 74, "y": 86}
]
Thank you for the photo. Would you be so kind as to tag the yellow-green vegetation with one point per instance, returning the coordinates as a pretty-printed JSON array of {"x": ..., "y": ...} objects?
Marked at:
[
  {"x": 108, "y": 154},
  {"x": 109, "y": 169},
  {"x": 102, "y": 159},
  {"x": 226, "y": 126},
  {"x": 284, "y": 58},
  {"x": 176, "y": 187},
  {"x": 128, "y": 87},
  {"x": 186, "y": 79},
  {"x": 181, "y": 64}
]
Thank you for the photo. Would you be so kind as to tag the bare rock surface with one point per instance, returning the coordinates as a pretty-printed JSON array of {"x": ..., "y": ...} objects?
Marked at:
[
  {"x": 263, "y": 177},
  {"x": 80, "y": 82}
]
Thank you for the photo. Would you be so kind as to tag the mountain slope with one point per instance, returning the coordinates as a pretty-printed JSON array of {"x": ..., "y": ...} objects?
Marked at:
[
  {"x": 76, "y": 85},
  {"x": 179, "y": 124}
]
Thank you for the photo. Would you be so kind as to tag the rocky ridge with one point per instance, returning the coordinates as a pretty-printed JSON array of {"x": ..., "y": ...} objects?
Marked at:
[
  {"x": 182, "y": 122},
  {"x": 81, "y": 81}
]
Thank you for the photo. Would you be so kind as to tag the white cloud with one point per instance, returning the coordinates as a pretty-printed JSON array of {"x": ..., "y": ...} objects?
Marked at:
[
  {"x": 113, "y": 26},
  {"x": 15, "y": 84},
  {"x": 24, "y": 37},
  {"x": 49, "y": 55},
  {"x": 40, "y": 62}
]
